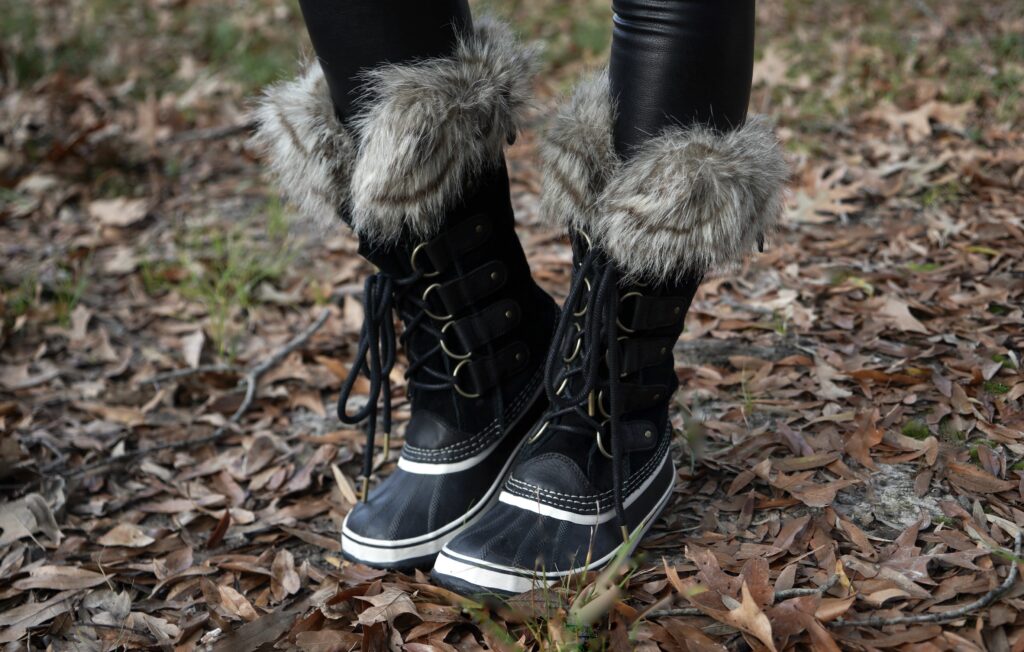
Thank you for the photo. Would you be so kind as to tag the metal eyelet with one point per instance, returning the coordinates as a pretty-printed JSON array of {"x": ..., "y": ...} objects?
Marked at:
[
  {"x": 618, "y": 321},
  {"x": 455, "y": 384},
  {"x": 579, "y": 345},
  {"x": 561, "y": 388},
  {"x": 585, "y": 307},
  {"x": 412, "y": 261},
  {"x": 426, "y": 293},
  {"x": 447, "y": 351},
  {"x": 540, "y": 431},
  {"x": 600, "y": 446},
  {"x": 600, "y": 404}
]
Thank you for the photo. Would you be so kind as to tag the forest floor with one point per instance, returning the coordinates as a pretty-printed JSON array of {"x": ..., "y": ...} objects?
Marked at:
[{"x": 851, "y": 420}]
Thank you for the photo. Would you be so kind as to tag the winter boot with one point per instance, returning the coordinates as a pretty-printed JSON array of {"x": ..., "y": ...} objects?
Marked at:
[
  {"x": 420, "y": 177},
  {"x": 596, "y": 470}
]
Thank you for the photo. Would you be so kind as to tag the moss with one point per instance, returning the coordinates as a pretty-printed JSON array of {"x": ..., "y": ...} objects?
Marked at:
[
  {"x": 916, "y": 429},
  {"x": 996, "y": 387}
]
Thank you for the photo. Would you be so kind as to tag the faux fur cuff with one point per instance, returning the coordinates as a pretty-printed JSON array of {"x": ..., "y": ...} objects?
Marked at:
[
  {"x": 689, "y": 200},
  {"x": 429, "y": 128}
]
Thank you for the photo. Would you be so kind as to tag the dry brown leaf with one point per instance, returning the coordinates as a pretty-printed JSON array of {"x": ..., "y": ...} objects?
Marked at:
[
  {"x": 971, "y": 478},
  {"x": 126, "y": 535},
  {"x": 387, "y": 605},
  {"x": 26, "y": 517},
  {"x": 747, "y": 617},
  {"x": 119, "y": 212},
  {"x": 284, "y": 581},
  {"x": 60, "y": 578}
]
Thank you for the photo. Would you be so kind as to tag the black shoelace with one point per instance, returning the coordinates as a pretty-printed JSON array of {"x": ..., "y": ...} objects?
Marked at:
[
  {"x": 572, "y": 387},
  {"x": 375, "y": 356}
]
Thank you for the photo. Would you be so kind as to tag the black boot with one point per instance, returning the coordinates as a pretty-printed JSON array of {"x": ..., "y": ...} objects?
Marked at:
[
  {"x": 597, "y": 469},
  {"x": 420, "y": 176}
]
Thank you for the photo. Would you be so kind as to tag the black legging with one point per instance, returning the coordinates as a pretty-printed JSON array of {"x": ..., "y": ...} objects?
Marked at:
[{"x": 671, "y": 62}]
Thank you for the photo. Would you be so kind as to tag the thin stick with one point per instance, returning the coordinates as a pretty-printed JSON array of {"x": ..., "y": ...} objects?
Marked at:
[
  {"x": 779, "y": 595},
  {"x": 796, "y": 593},
  {"x": 177, "y": 374},
  {"x": 945, "y": 616},
  {"x": 212, "y": 133},
  {"x": 251, "y": 381}
]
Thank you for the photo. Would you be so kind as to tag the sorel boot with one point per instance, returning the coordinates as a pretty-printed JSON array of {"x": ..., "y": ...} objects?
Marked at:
[
  {"x": 597, "y": 470},
  {"x": 420, "y": 177}
]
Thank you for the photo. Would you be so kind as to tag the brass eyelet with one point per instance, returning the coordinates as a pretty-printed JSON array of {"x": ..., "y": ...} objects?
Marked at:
[
  {"x": 579, "y": 345},
  {"x": 585, "y": 307},
  {"x": 426, "y": 293},
  {"x": 561, "y": 388},
  {"x": 600, "y": 446},
  {"x": 455, "y": 384},
  {"x": 600, "y": 404},
  {"x": 618, "y": 321},
  {"x": 448, "y": 352},
  {"x": 412, "y": 261},
  {"x": 540, "y": 431}
]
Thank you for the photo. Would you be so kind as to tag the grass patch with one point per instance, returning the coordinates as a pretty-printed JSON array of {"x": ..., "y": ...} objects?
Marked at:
[
  {"x": 221, "y": 269},
  {"x": 949, "y": 433},
  {"x": 916, "y": 429},
  {"x": 995, "y": 387}
]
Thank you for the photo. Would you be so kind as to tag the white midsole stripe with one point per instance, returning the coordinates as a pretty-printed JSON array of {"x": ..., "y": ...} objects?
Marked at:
[
  {"x": 388, "y": 551},
  {"x": 534, "y": 504},
  {"x": 506, "y": 578},
  {"x": 429, "y": 468}
]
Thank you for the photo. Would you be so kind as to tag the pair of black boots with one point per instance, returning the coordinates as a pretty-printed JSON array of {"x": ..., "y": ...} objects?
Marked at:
[{"x": 539, "y": 438}]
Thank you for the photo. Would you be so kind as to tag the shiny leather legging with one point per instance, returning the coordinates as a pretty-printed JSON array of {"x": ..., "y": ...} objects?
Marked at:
[{"x": 671, "y": 62}]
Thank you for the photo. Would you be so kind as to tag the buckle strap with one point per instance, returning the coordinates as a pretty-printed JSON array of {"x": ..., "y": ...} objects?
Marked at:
[
  {"x": 634, "y": 397},
  {"x": 477, "y": 330},
  {"x": 640, "y": 353},
  {"x": 634, "y": 436},
  {"x": 475, "y": 377},
  {"x": 437, "y": 255},
  {"x": 460, "y": 294},
  {"x": 642, "y": 312}
]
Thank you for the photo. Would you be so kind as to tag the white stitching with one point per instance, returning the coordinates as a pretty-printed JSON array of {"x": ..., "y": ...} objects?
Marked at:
[
  {"x": 478, "y": 442},
  {"x": 519, "y": 488}
]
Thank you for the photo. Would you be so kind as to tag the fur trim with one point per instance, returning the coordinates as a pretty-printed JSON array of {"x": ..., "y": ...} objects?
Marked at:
[
  {"x": 432, "y": 126},
  {"x": 578, "y": 156},
  {"x": 309, "y": 153},
  {"x": 691, "y": 200},
  {"x": 429, "y": 128}
]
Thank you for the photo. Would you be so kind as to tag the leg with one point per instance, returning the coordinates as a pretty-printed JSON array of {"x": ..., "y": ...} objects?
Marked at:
[
  {"x": 400, "y": 133},
  {"x": 352, "y": 36},
  {"x": 667, "y": 185},
  {"x": 679, "y": 62}
]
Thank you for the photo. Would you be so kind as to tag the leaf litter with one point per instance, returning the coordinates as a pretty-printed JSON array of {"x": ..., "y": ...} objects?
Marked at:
[{"x": 850, "y": 428}]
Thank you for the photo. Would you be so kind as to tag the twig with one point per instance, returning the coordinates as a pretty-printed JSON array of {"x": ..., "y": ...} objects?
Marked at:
[
  {"x": 785, "y": 594},
  {"x": 250, "y": 381},
  {"x": 945, "y": 616},
  {"x": 212, "y": 133},
  {"x": 177, "y": 374}
]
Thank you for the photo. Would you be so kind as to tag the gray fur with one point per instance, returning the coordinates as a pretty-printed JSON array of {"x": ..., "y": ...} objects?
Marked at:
[
  {"x": 689, "y": 200},
  {"x": 433, "y": 125},
  {"x": 578, "y": 156},
  {"x": 429, "y": 128},
  {"x": 310, "y": 154}
]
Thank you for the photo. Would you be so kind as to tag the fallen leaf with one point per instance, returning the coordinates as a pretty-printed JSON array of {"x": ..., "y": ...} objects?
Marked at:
[
  {"x": 25, "y": 517},
  {"x": 387, "y": 605},
  {"x": 60, "y": 578},
  {"x": 284, "y": 581},
  {"x": 119, "y": 212},
  {"x": 126, "y": 535}
]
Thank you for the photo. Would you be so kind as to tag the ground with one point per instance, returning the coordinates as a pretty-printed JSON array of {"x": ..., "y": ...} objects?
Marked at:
[{"x": 850, "y": 423}]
